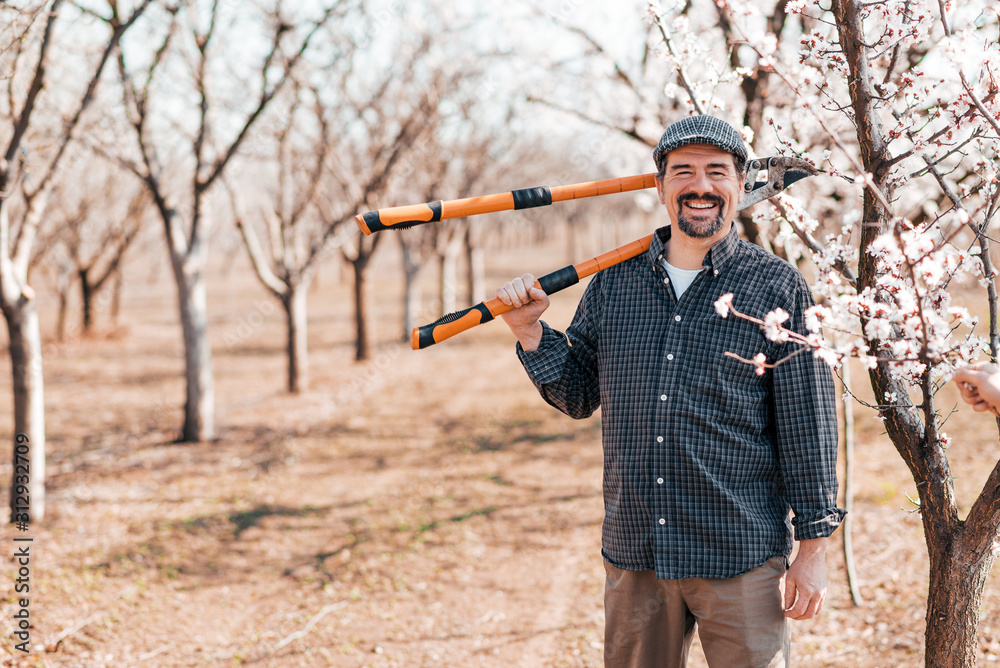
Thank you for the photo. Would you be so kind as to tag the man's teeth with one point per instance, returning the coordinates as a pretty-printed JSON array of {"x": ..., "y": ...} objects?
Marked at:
[{"x": 700, "y": 206}]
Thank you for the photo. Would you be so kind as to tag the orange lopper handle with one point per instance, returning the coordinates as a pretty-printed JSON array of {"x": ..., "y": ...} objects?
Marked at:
[
  {"x": 401, "y": 217},
  {"x": 459, "y": 321}
]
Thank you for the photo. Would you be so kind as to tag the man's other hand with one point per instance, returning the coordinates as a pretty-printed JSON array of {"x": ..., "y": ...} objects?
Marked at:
[{"x": 805, "y": 581}]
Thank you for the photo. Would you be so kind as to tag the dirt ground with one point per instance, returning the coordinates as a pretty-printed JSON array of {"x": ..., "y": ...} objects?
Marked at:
[{"x": 420, "y": 509}]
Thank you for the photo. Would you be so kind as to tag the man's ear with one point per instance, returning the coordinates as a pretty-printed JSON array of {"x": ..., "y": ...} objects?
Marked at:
[{"x": 659, "y": 187}]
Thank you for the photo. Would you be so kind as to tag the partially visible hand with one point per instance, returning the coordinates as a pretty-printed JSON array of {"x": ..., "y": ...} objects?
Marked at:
[
  {"x": 529, "y": 302},
  {"x": 805, "y": 581},
  {"x": 980, "y": 386}
]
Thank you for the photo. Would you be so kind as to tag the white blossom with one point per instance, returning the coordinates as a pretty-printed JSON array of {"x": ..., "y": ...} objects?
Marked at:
[
  {"x": 723, "y": 304},
  {"x": 772, "y": 325}
]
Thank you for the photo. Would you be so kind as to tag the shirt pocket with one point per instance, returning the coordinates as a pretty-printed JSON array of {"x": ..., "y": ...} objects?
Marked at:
[{"x": 731, "y": 389}]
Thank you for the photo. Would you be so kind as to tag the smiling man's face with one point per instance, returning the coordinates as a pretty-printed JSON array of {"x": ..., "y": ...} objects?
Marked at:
[{"x": 700, "y": 189}]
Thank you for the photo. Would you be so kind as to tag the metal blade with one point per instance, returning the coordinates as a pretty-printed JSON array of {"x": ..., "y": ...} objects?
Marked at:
[{"x": 781, "y": 173}]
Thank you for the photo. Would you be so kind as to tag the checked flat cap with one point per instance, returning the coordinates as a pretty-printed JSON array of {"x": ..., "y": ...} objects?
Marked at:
[{"x": 699, "y": 130}]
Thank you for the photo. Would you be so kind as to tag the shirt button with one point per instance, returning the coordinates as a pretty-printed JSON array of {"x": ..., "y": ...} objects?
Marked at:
[
  {"x": 666, "y": 280},
  {"x": 677, "y": 318},
  {"x": 659, "y": 481},
  {"x": 663, "y": 397},
  {"x": 659, "y": 439},
  {"x": 715, "y": 273},
  {"x": 662, "y": 521},
  {"x": 670, "y": 356}
]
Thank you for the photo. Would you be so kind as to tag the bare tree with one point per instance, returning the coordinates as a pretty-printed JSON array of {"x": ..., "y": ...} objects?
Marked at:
[
  {"x": 450, "y": 236},
  {"x": 29, "y": 60},
  {"x": 359, "y": 255},
  {"x": 417, "y": 246},
  {"x": 95, "y": 239},
  {"x": 301, "y": 228},
  {"x": 458, "y": 238},
  {"x": 446, "y": 242},
  {"x": 180, "y": 190},
  {"x": 323, "y": 181},
  {"x": 399, "y": 117}
]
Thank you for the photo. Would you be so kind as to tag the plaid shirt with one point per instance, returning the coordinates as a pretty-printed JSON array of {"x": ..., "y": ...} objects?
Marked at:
[{"x": 703, "y": 458}]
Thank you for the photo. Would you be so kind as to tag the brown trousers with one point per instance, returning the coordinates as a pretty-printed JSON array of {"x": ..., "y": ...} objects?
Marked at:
[{"x": 650, "y": 623}]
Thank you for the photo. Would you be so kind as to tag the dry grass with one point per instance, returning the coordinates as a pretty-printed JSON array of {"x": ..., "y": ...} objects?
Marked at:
[{"x": 422, "y": 509}]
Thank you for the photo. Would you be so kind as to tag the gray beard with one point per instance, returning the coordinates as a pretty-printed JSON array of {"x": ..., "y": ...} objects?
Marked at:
[{"x": 698, "y": 232}]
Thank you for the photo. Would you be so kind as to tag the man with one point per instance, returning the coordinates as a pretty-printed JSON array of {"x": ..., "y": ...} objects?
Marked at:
[{"x": 703, "y": 457}]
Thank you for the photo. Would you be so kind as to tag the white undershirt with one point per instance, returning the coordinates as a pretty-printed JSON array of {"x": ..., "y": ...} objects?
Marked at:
[{"x": 681, "y": 278}]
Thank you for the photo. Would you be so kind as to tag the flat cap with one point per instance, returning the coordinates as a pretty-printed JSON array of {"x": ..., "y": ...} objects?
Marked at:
[{"x": 699, "y": 130}]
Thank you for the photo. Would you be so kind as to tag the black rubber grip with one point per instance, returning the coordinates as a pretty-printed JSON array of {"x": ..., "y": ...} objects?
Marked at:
[
  {"x": 372, "y": 221},
  {"x": 526, "y": 198},
  {"x": 559, "y": 280},
  {"x": 426, "y": 333}
]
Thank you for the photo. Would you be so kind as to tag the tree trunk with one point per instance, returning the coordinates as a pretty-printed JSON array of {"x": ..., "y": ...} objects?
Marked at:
[
  {"x": 61, "y": 318},
  {"x": 297, "y": 343},
  {"x": 29, "y": 403},
  {"x": 366, "y": 247},
  {"x": 116, "y": 297},
  {"x": 362, "y": 339},
  {"x": 411, "y": 301},
  {"x": 87, "y": 299},
  {"x": 954, "y": 600},
  {"x": 199, "y": 406},
  {"x": 411, "y": 289},
  {"x": 847, "y": 527},
  {"x": 449, "y": 275},
  {"x": 476, "y": 267},
  {"x": 63, "y": 285}
]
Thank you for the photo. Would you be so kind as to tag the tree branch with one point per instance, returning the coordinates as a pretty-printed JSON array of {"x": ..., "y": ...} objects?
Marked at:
[
  {"x": 37, "y": 83},
  {"x": 842, "y": 267},
  {"x": 118, "y": 29},
  {"x": 200, "y": 82},
  {"x": 133, "y": 223},
  {"x": 135, "y": 107},
  {"x": 265, "y": 96},
  {"x": 681, "y": 74},
  {"x": 628, "y": 132},
  {"x": 276, "y": 286}
]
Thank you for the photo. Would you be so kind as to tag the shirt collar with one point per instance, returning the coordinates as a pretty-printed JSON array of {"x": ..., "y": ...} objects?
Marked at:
[{"x": 716, "y": 258}]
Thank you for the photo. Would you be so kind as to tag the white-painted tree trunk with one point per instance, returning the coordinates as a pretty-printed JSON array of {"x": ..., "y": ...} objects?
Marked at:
[
  {"x": 475, "y": 259},
  {"x": 411, "y": 290},
  {"x": 449, "y": 275},
  {"x": 199, "y": 406},
  {"x": 29, "y": 402}
]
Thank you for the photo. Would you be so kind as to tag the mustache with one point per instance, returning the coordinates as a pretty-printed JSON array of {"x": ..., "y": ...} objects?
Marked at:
[{"x": 687, "y": 197}]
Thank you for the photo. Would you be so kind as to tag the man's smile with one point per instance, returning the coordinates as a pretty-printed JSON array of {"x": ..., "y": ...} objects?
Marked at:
[{"x": 699, "y": 203}]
